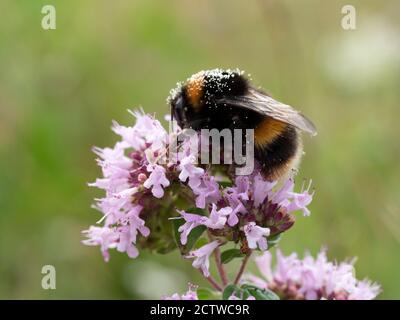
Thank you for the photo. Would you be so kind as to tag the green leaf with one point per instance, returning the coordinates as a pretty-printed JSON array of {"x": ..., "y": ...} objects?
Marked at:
[
  {"x": 200, "y": 242},
  {"x": 225, "y": 184},
  {"x": 195, "y": 210},
  {"x": 176, "y": 223},
  {"x": 274, "y": 240},
  {"x": 194, "y": 235},
  {"x": 263, "y": 294},
  {"x": 230, "y": 254},
  {"x": 246, "y": 291},
  {"x": 229, "y": 290},
  {"x": 258, "y": 293},
  {"x": 207, "y": 294},
  {"x": 247, "y": 286}
]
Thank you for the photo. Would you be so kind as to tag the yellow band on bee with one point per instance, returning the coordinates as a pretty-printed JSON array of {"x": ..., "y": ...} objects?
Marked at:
[
  {"x": 267, "y": 131},
  {"x": 194, "y": 89}
]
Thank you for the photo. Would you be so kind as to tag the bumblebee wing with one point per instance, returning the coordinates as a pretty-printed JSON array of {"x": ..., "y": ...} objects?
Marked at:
[{"x": 267, "y": 106}]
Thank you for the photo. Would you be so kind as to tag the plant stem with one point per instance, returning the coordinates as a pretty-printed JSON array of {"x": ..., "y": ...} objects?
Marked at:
[
  {"x": 220, "y": 266},
  {"x": 214, "y": 283},
  {"x": 242, "y": 267}
]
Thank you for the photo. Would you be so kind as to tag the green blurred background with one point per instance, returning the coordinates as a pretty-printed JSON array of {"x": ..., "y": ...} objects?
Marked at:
[{"x": 60, "y": 89}]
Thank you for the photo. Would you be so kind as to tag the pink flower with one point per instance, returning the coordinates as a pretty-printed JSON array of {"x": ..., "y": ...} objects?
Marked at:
[
  {"x": 218, "y": 218},
  {"x": 146, "y": 131},
  {"x": 127, "y": 240},
  {"x": 106, "y": 238},
  {"x": 157, "y": 181},
  {"x": 191, "y": 222},
  {"x": 301, "y": 201},
  {"x": 242, "y": 187},
  {"x": 190, "y": 171},
  {"x": 286, "y": 266},
  {"x": 261, "y": 189},
  {"x": 237, "y": 207},
  {"x": 281, "y": 197},
  {"x": 191, "y": 294},
  {"x": 133, "y": 219},
  {"x": 365, "y": 290},
  {"x": 207, "y": 192},
  {"x": 255, "y": 236},
  {"x": 235, "y": 196},
  {"x": 202, "y": 256},
  {"x": 312, "y": 278}
]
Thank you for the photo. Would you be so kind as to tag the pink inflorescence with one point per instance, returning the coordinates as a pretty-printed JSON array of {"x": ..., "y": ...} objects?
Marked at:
[
  {"x": 143, "y": 184},
  {"x": 311, "y": 278}
]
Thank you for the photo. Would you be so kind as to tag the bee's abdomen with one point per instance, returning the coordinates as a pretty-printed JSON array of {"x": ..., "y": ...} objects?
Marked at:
[
  {"x": 277, "y": 155},
  {"x": 268, "y": 130}
]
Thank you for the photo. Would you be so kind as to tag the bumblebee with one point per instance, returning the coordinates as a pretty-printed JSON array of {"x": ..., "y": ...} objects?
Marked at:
[{"x": 225, "y": 99}]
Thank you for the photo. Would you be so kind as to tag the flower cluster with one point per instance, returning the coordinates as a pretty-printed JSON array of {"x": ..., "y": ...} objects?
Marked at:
[
  {"x": 158, "y": 197},
  {"x": 131, "y": 178},
  {"x": 249, "y": 212},
  {"x": 143, "y": 185},
  {"x": 311, "y": 278}
]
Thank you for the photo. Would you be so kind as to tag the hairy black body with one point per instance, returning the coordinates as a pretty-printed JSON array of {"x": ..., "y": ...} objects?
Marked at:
[{"x": 224, "y": 99}]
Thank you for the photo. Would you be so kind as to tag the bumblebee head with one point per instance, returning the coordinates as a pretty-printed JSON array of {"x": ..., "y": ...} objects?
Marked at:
[
  {"x": 187, "y": 99},
  {"x": 177, "y": 108},
  {"x": 194, "y": 101}
]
